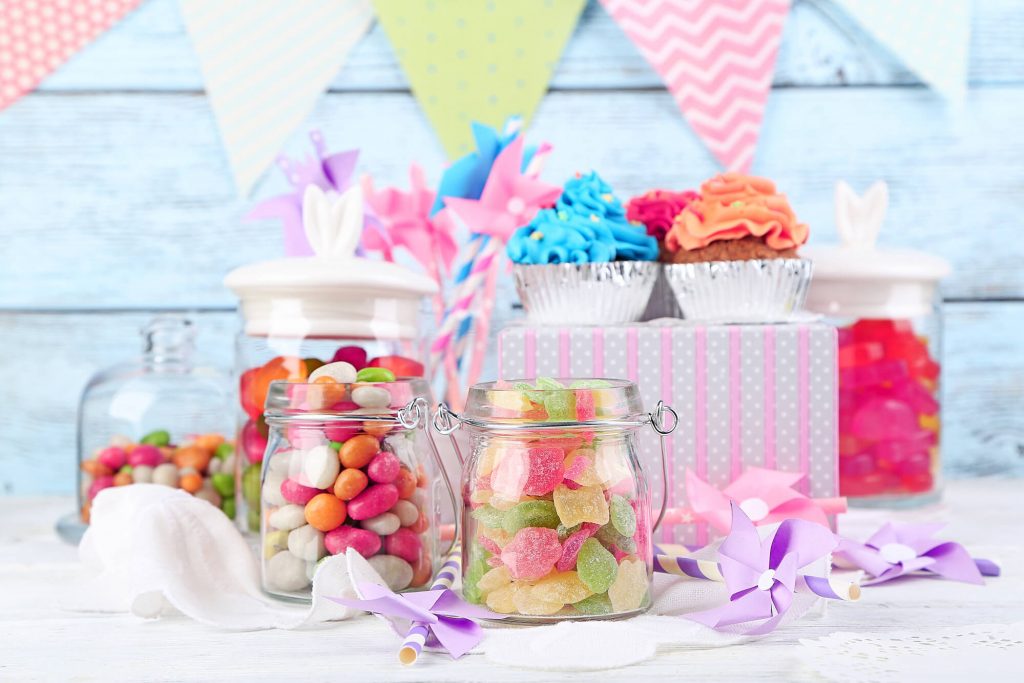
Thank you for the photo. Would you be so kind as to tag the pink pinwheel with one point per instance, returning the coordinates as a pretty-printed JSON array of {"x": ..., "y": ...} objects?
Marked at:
[
  {"x": 510, "y": 200},
  {"x": 896, "y": 550},
  {"x": 763, "y": 575},
  {"x": 765, "y": 496}
]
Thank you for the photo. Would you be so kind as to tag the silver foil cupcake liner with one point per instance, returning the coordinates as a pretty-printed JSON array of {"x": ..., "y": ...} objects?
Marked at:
[
  {"x": 759, "y": 291},
  {"x": 585, "y": 294}
]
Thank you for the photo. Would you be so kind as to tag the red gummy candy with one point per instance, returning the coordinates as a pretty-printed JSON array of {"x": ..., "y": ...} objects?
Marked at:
[
  {"x": 488, "y": 544},
  {"x": 883, "y": 419},
  {"x": 585, "y": 410},
  {"x": 865, "y": 353},
  {"x": 400, "y": 365},
  {"x": 531, "y": 553},
  {"x": 355, "y": 355},
  {"x": 918, "y": 483},
  {"x": 535, "y": 471},
  {"x": 572, "y": 545}
]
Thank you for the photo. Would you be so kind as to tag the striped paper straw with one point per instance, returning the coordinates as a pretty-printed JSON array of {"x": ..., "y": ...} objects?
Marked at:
[{"x": 417, "y": 636}]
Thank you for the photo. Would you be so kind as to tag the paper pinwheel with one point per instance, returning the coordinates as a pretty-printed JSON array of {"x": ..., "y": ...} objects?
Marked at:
[
  {"x": 448, "y": 617},
  {"x": 326, "y": 171},
  {"x": 762, "y": 575},
  {"x": 765, "y": 496},
  {"x": 896, "y": 550}
]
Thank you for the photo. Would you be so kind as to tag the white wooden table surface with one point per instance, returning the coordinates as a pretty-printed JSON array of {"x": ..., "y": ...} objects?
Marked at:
[{"x": 39, "y": 641}]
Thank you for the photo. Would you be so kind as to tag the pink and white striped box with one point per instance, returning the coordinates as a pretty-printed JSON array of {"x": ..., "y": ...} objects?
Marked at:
[{"x": 760, "y": 395}]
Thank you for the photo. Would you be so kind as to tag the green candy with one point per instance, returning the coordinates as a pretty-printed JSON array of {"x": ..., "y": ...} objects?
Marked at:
[
  {"x": 489, "y": 516},
  {"x": 565, "y": 532},
  {"x": 535, "y": 513},
  {"x": 590, "y": 384},
  {"x": 224, "y": 450},
  {"x": 253, "y": 517},
  {"x": 477, "y": 568},
  {"x": 595, "y": 604},
  {"x": 622, "y": 516},
  {"x": 160, "y": 437},
  {"x": 228, "y": 506},
  {"x": 336, "y": 445},
  {"x": 251, "y": 485},
  {"x": 548, "y": 383},
  {"x": 609, "y": 536},
  {"x": 375, "y": 375},
  {"x": 560, "y": 405},
  {"x": 127, "y": 469},
  {"x": 224, "y": 484},
  {"x": 596, "y": 566}
]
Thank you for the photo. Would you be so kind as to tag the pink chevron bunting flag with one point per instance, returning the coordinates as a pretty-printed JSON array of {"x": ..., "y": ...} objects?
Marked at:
[{"x": 717, "y": 58}]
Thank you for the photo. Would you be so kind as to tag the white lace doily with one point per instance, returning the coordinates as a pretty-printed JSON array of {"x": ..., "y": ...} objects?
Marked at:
[{"x": 983, "y": 651}]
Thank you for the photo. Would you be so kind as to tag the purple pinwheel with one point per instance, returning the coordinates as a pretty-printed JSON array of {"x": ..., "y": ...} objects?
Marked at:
[
  {"x": 899, "y": 549},
  {"x": 447, "y": 616},
  {"x": 763, "y": 575}
]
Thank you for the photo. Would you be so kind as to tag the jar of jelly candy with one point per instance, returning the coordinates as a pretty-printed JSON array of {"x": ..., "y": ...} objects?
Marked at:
[
  {"x": 302, "y": 312},
  {"x": 349, "y": 465},
  {"x": 885, "y": 303},
  {"x": 556, "y": 508},
  {"x": 162, "y": 419}
]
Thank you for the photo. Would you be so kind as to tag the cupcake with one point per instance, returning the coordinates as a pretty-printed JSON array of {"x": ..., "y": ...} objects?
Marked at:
[
  {"x": 734, "y": 253},
  {"x": 656, "y": 211},
  {"x": 583, "y": 262}
]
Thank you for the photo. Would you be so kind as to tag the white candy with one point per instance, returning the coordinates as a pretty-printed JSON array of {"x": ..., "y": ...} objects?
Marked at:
[
  {"x": 339, "y": 371},
  {"x": 143, "y": 474},
  {"x": 166, "y": 474},
  {"x": 288, "y": 517},
  {"x": 187, "y": 470},
  {"x": 228, "y": 466},
  {"x": 407, "y": 512},
  {"x": 383, "y": 524},
  {"x": 209, "y": 495},
  {"x": 320, "y": 467},
  {"x": 271, "y": 491},
  {"x": 307, "y": 543},
  {"x": 395, "y": 571},
  {"x": 286, "y": 572},
  {"x": 371, "y": 397},
  {"x": 279, "y": 462}
]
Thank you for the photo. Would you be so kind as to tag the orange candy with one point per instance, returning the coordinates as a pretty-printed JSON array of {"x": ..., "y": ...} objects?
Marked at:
[
  {"x": 420, "y": 525},
  {"x": 406, "y": 483},
  {"x": 325, "y": 512},
  {"x": 85, "y": 511},
  {"x": 350, "y": 483},
  {"x": 208, "y": 442},
  {"x": 96, "y": 468},
  {"x": 376, "y": 429},
  {"x": 422, "y": 570},
  {"x": 359, "y": 451},
  {"x": 122, "y": 479},
  {"x": 421, "y": 477},
  {"x": 327, "y": 392},
  {"x": 191, "y": 482},
  {"x": 192, "y": 456}
]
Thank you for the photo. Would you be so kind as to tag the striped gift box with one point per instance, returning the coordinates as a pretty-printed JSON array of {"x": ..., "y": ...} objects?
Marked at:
[{"x": 760, "y": 395}]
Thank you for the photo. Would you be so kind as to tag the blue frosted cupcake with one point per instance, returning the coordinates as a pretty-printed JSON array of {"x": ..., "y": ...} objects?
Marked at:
[{"x": 583, "y": 262}]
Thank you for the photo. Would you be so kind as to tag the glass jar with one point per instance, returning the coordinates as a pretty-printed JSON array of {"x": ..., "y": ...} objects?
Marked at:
[
  {"x": 160, "y": 420},
  {"x": 337, "y": 476},
  {"x": 556, "y": 517}
]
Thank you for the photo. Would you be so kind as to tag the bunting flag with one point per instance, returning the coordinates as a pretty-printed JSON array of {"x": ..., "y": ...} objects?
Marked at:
[
  {"x": 477, "y": 60},
  {"x": 717, "y": 58},
  {"x": 931, "y": 37},
  {"x": 265, "y": 63},
  {"x": 38, "y": 36}
]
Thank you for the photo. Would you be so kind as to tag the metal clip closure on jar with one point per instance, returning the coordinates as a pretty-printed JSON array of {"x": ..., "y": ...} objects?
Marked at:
[
  {"x": 337, "y": 477},
  {"x": 556, "y": 506}
]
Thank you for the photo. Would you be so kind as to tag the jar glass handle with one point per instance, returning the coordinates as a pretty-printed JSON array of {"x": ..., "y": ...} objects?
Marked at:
[{"x": 658, "y": 424}]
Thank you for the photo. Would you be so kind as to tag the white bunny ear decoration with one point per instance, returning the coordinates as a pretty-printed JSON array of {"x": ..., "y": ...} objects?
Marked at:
[
  {"x": 858, "y": 219},
  {"x": 333, "y": 222}
]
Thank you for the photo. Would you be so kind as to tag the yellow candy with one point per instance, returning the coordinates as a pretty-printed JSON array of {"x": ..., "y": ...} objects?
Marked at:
[
  {"x": 500, "y": 503},
  {"x": 480, "y": 497},
  {"x": 930, "y": 422},
  {"x": 629, "y": 589},
  {"x": 527, "y": 602},
  {"x": 589, "y": 475},
  {"x": 496, "y": 534},
  {"x": 489, "y": 458},
  {"x": 561, "y": 587},
  {"x": 274, "y": 542},
  {"x": 501, "y": 600},
  {"x": 585, "y": 504},
  {"x": 611, "y": 463},
  {"x": 493, "y": 580}
]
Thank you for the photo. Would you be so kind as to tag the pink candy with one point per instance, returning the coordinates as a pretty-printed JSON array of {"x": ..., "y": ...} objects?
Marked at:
[
  {"x": 535, "y": 471},
  {"x": 113, "y": 457},
  {"x": 375, "y": 500},
  {"x": 881, "y": 419},
  {"x": 342, "y": 433},
  {"x": 98, "y": 484},
  {"x": 488, "y": 544},
  {"x": 572, "y": 545},
  {"x": 356, "y": 355},
  {"x": 405, "y": 544},
  {"x": 384, "y": 468},
  {"x": 147, "y": 455},
  {"x": 254, "y": 444},
  {"x": 585, "y": 410},
  {"x": 294, "y": 492},
  {"x": 365, "y": 542},
  {"x": 531, "y": 553},
  {"x": 576, "y": 469}
]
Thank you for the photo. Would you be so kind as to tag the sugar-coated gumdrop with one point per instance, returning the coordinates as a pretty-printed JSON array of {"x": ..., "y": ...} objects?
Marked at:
[
  {"x": 563, "y": 587},
  {"x": 534, "y": 471},
  {"x": 489, "y": 544},
  {"x": 526, "y": 602},
  {"x": 595, "y": 604},
  {"x": 573, "y": 543},
  {"x": 565, "y": 532},
  {"x": 586, "y": 504},
  {"x": 610, "y": 536},
  {"x": 560, "y": 405},
  {"x": 585, "y": 410},
  {"x": 502, "y": 599},
  {"x": 474, "y": 572},
  {"x": 579, "y": 467},
  {"x": 489, "y": 516},
  {"x": 629, "y": 589},
  {"x": 621, "y": 513},
  {"x": 493, "y": 580},
  {"x": 611, "y": 463},
  {"x": 537, "y": 513},
  {"x": 596, "y": 566},
  {"x": 499, "y": 537},
  {"x": 354, "y": 355},
  {"x": 531, "y": 553}
]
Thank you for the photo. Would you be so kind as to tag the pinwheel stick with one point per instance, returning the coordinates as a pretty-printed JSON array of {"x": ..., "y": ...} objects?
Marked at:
[
  {"x": 683, "y": 515},
  {"x": 417, "y": 636}
]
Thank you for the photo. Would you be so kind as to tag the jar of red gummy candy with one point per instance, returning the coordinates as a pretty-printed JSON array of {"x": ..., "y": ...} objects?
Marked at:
[
  {"x": 885, "y": 304},
  {"x": 556, "y": 508},
  {"x": 302, "y": 312},
  {"x": 348, "y": 465}
]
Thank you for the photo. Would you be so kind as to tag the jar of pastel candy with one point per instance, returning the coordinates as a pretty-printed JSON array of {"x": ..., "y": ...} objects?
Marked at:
[
  {"x": 885, "y": 303},
  {"x": 340, "y": 473},
  {"x": 556, "y": 508},
  {"x": 163, "y": 419}
]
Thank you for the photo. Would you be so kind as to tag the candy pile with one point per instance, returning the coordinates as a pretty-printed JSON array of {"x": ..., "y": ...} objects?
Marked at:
[
  {"x": 254, "y": 385},
  {"x": 350, "y": 484},
  {"x": 557, "y": 523},
  {"x": 888, "y": 412},
  {"x": 203, "y": 465}
]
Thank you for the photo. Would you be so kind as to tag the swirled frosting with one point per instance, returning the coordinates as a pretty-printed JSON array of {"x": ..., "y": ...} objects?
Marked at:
[
  {"x": 587, "y": 225},
  {"x": 657, "y": 209},
  {"x": 733, "y": 206}
]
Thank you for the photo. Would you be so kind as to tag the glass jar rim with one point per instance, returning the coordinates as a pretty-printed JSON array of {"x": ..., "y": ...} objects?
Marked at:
[
  {"x": 519, "y": 401},
  {"x": 330, "y": 401}
]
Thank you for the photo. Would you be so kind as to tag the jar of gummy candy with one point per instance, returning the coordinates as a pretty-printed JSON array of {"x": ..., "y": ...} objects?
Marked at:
[
  {"x": 556, "y": 508},
  {"x": 163, "y": 419},
  {"x": 885, "y": 303},
  {"x": 339, "y": 476},
  {"x": 302, "y": 312}
]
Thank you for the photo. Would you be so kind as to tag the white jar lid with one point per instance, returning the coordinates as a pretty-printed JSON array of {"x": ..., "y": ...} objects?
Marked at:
[
  {"x": 858, "y": 279},
  {"x": 333, "y": 293}
]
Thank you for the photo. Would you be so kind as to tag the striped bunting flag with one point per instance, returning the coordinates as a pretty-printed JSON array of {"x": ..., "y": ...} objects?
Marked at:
[
  {"x": 265, "y": 63},
  {"x": 717, "y": 58}
]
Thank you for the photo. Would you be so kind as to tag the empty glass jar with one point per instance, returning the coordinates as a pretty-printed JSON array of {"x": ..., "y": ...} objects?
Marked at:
[{"x": 556, "y": 508}]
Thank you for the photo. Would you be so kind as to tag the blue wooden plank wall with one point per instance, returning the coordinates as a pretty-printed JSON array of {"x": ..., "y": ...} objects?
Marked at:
[{"x": 116, "y": 200}]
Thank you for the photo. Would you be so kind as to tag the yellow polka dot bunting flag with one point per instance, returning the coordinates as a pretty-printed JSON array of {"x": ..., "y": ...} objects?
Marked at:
[{"x": 477, "y": 60}]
